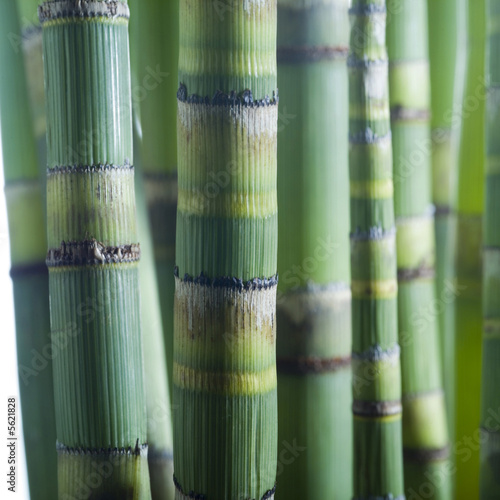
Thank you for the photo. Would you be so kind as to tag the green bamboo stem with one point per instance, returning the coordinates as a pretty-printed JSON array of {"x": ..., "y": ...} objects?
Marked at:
[
  {"x": 93, "y": 252},
  {"x": 443, "y": 55},
  {"x": 313, "y": 313},
  {"x": 378, "y": 461},
  {"x": 224, "y": 373},
  {"x": 159, "y": 429},
  {"x": 28, "y": 245},
  {"x": 490, "y": 400},
  {"x": 155, "y": 91},
  {"x": 468, "y": 266},
  {"x": 425, "y": 433}
]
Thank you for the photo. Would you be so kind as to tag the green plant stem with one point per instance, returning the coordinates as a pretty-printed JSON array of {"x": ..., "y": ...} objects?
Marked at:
[
  {"x": 425, "y": 433},
  {"x": 154, "y": 92},
  {"x": 224, "y": 372},
  {"x": 490, "y": 400},
  {"x": 313, "y": 312},
  {"x": 468, "y": 241},
  {"x": 28, "y": 245},
  {"x": 93, "y": 252},
  {"x": 378, "y": 462}
]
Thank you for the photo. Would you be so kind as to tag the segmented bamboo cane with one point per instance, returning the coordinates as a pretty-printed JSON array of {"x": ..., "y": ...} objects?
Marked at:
[
  {"x": 425, "y": 434},
  {"x": 490, "y": 400},
  {"x": 468, "y": 267},
  {"x": 224, "y": 373},
  {"x": 314, "y": 316},
  {"x": 28, "y": 245},
  {"x": 443, "y": 55},
  {"x": 378, "y": 463},
  {"x": 93, "y": 251},
  {"x": 155, "y": 93}
]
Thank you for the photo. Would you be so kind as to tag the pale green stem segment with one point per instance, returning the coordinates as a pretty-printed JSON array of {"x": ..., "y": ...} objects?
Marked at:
[
  {"x": 28, "y": 245},
  {"x": 468, "y": 262},
  {"x": 224, "y": 370},
  {"x": 314, "y": 315},
  {"x": 490, "y": 400},
  {"x": 93, "y": 251},
  {"x": 378, "y": 460},
  {"x": 154, "y": 96},
  {"x": 425, "y": 434}
]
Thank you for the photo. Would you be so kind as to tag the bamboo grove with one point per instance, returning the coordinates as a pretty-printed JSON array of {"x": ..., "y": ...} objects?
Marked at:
[{"x": 223, "y": 291}]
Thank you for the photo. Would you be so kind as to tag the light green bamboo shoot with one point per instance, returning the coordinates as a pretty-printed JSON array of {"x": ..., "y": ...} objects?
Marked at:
[
  {"x": 314, "y": 315},
  {"x": 468, "y": 273},
  {"x": 425, "y": 434},
  {"x": 28, "y": 244},
  {"x": 490, "y": 399},
  {"x": 378, "y": 462},
  {"x": 224, "y": 372},
  {"x": 93, "y": 252}
]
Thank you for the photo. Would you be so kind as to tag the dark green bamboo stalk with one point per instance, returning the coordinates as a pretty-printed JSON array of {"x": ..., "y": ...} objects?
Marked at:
[
  {"x": 155, "y": 91},
  {"x": 160, "y": 454},
  {"x": 425, "y": 434},
  {"x": 468, "y": 266},
  {"x": 93, "y": 252},
  {"x": 224, "y": 373},
  {"x": 378, "y": 462},
  {"x": 28, "y": 245},
  {"x": 443, "y": 55},
  {"x": 314, "y": 315},
  {"x": 490, "y": 400}
]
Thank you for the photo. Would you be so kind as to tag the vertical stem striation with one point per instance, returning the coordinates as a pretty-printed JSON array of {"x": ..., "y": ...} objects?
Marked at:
[
  {"x": 314, "y": 314},
  {"x": 155, "y": 94},
  {"x": 378, "y": 462},
  {"x": 224, "y": 371},
  {"x": 425, "y": 434},
  {"x": 490, "y": 400},
  {"x": 93, "y": 252},
  {"x": 28, "y": 244},
  {"x": 468, "y": 240}
]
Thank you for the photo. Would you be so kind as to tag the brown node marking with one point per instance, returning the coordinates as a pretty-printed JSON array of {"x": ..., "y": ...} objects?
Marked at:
[
  {"x": 376, "y": 408},
  {"x": 80, "y": 9},
  {"x": 305, "y": 365}
]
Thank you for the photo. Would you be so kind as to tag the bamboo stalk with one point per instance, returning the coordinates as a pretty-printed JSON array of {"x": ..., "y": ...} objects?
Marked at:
[
  {"x": 490, "y": 401},
  {"x": 159, "y": 428},
  {"x": 443, "y": 57},
  {"x": 378, "y": 462},
  {"x": 155, "y": 93},
  {"x": 468, "y": 266},
  {"x": 28, "y": 245},
  {"x": 313, "y": 313},
  {"x": 224, "y": 373},
  {"x": 93, "y": 252},
  {"x": 425, "y": 434}
]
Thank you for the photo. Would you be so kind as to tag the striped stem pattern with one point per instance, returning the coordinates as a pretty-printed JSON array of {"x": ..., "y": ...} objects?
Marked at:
[
  {"x": 490, "y": 400},
  {"x": 313, "y": 310},
  {"x": 378, "y": 462},
  {"x": 468, "y": 262},
  {"x": 28, "y": 244},
  {"x": 224, "y": 371},
  {"x": 444, "y": 63},
  {"x": 425, "y": 434},
  {"x": 93, "y": 251},
  {"x": 154, "y": 93}
]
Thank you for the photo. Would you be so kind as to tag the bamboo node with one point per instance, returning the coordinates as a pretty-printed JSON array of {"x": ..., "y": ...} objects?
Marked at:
[{"x": 65, "y": 9}]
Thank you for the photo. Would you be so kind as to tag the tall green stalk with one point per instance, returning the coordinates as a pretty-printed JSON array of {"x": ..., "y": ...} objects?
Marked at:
[
  {"x": 490, "y": 399},
  {"x": 93, "y": 252},
  {"x": 159, "y": 428},
  {"x": 155, "y": 93},
  {"x": 28, "y": 244},
  {"x": 425, "y": 433},
  {"x": 378, "y": 462},
  {"x": 468, "y": 306},
  {"x": 224, "y": 373},
  {"x": 314, "y": 314},
  {"x": 443, "y": 58}
]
